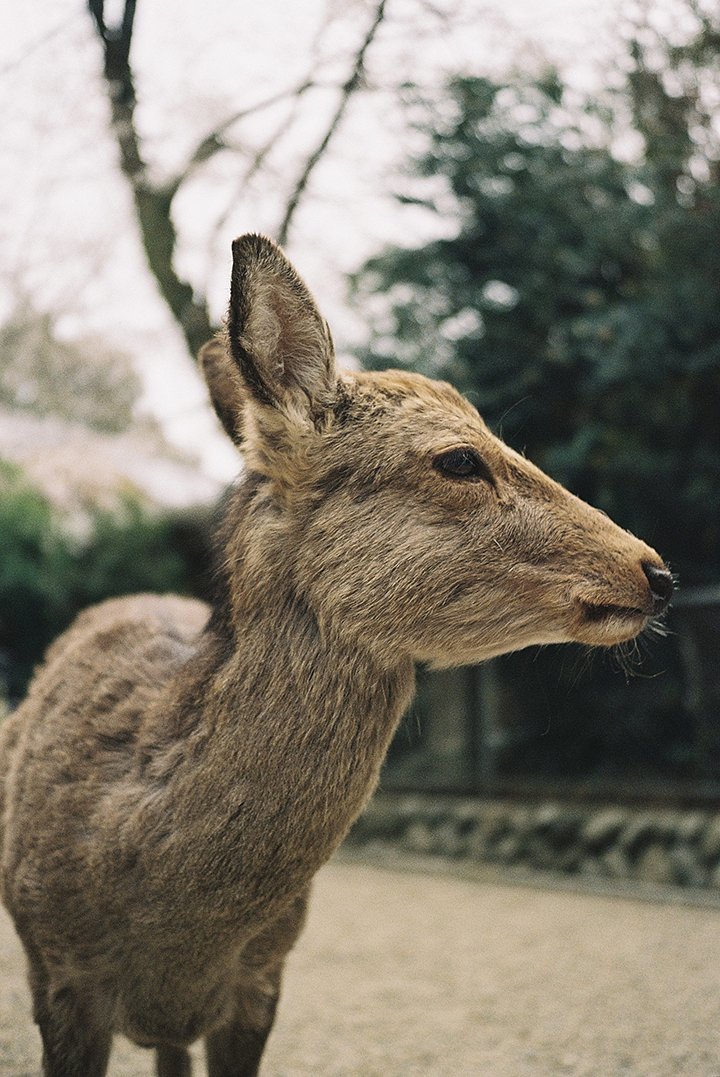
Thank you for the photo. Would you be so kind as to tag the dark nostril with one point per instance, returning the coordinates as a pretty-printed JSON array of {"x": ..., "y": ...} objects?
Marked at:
[{"x": 660, "y": 580}]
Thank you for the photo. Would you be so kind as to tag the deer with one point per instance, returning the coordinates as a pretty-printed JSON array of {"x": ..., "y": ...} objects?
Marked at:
[{"x": 178, "y": 772}]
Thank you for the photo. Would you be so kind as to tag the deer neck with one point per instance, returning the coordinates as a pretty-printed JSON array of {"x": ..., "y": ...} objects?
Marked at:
[{"x": 294, "y": 725}]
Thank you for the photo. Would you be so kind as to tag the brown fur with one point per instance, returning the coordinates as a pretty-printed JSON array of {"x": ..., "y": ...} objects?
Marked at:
[
  {"x": 225, "y": 385},
  {"x": 172, "y": 783}
]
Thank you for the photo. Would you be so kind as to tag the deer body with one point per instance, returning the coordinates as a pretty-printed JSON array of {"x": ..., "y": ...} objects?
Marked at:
[
  {"x": 189, "y": 838},
  {"x": 174, "y": 779}
]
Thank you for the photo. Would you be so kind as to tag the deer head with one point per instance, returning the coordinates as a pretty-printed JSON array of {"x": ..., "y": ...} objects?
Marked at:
[{"x": 400, "y": 519}]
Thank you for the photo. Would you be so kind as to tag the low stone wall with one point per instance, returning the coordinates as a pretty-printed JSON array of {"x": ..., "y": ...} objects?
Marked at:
[{"x": 667, "y": 846}]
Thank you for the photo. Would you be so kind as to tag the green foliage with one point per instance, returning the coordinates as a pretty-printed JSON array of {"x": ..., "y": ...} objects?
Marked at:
[
  {"x": 578, "y": 303},
  {"x": 47, "y": 577},
  {"x": 34, "y": 561}
]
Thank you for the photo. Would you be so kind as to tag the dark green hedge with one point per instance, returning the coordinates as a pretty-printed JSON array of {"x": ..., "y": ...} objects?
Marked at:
[{"x": 47, "y": 575}]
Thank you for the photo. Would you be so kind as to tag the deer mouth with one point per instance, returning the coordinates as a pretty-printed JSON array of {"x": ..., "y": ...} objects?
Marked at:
[
  {"x": 600, "y": 613},
  {"x": 605, "y": 624}
]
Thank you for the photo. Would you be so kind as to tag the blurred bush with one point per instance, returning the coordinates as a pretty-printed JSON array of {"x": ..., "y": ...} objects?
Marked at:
[
  {"x": 575, "y": 298},
  {"x": 48, "y": 574}
]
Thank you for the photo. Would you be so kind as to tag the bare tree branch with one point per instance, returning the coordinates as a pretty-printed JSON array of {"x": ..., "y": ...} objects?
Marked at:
[
  {"x": 117, "y": 41},
  {"x": 256, "y": 163},
  {"x": 153, "y": 203},
  {"x": 248, "y": 174},
  {"x": 347, "y": 91},
  {"x": 214, "y": 140}
]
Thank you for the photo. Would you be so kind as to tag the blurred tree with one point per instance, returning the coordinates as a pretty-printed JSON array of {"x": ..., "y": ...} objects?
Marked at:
[
  {"x": 154, "y": 199},
  {"x": 83, "y": 381},
  {"x": 578, "y": 302},
  {"x": 47, "y": 576}
]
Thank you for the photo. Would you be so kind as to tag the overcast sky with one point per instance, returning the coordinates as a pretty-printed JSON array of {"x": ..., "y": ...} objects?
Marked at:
[{"x": 68, "y": 238}]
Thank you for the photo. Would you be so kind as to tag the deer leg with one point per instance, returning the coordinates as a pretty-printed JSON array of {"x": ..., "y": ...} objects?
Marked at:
[
  {"x": 75, "y": 1025},
  {"x": 75, "y": 1031},
  {"x": 235, "y": 1049},
  {"x": 172, "y": 1062}
]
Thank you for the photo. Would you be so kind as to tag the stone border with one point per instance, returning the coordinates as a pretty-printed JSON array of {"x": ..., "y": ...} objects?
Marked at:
[{"x": 663, "y": 846}]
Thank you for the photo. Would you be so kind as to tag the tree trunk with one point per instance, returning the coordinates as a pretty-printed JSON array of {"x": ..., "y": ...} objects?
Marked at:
[{"x": 153, "y": 204}]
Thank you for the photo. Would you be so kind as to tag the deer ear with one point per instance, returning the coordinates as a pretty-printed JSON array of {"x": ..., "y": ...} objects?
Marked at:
[
  {"x": 225, "y": 386},
  {"x": 279, "y": 340}
]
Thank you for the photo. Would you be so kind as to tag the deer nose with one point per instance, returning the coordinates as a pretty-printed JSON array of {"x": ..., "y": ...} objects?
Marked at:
[{"x": 661, "y": 585}]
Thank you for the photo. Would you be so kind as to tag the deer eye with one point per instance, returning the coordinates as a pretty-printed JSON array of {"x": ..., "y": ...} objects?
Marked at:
[{"x": 464, "y": 463}]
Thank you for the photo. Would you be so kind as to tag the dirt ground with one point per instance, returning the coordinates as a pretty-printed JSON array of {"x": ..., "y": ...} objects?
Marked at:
[{"x": 406, "y": 974}]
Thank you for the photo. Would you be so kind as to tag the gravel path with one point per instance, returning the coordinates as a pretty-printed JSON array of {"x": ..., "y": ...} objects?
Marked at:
[{"x": 402, "y": 974}]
